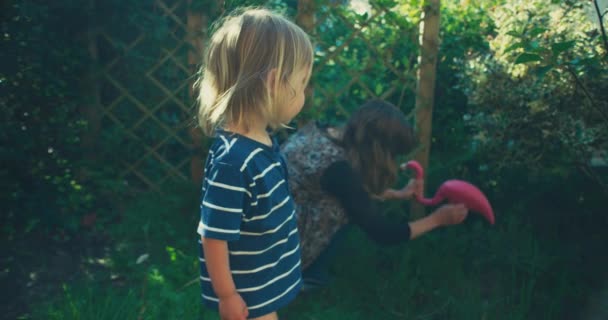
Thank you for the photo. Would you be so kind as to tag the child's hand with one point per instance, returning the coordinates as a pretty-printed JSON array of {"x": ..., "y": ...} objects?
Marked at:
[
  {"x": 233, "y": 307},
  {"x": 450, "y": 214}
]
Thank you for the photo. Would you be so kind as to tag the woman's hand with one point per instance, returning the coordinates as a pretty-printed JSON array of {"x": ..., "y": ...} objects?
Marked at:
[
  {"x": 414, "y": 186},
  {"x": 233, "y": 307},
  {"x": 450, "y": 214}
]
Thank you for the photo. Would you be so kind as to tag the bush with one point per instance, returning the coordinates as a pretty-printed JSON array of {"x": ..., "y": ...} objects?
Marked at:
[
  {"x": 540, "y": 96},
  {"x": 41, "y": 99}
]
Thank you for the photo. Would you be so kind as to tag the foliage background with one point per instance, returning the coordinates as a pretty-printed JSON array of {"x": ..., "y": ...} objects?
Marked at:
[{"x": 520, "y": 111}]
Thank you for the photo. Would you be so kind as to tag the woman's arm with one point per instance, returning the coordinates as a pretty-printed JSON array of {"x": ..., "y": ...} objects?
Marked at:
[
  {"x": 406, "y": 193},
  {"x": 423, "y": 225},
  {"x": 340, "y": 181},
  {"x": 446, "y": 215}
]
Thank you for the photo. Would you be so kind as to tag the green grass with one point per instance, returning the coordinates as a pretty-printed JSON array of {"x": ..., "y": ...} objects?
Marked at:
[
  {"x": 461, "y": 273},
  {"x": 472, "y": 271}
]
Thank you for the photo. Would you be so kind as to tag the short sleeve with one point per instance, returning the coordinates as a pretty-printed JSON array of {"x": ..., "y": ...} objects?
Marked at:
[{"x": 224, "y": 200}]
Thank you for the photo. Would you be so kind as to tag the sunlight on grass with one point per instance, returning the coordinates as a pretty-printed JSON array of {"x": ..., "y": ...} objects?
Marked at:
[{"x": 156, "y": 276}]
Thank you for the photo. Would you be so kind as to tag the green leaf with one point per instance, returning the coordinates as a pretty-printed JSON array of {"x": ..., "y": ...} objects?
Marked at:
[
  {"x": 560, "y": 47},
  {"x": 527, "y": 57},
  {"x": 378, "y": 89},
  {"x": 534, "y": 44},
  {"x": 542, "y": 71},
  {"x": 575, "y": 62},
  {"x": 515, "y": 46},
  {"x": 536, "y": 31},
  {"x": 31, "y": 224},
  {"x": 535, "y": 47},
  {"x": 514, "y": 33}
]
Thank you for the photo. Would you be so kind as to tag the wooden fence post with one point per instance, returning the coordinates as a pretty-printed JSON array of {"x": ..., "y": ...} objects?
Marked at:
[
  {"x": 91, "y": 109},
  {"x": 305, "y": 18},
  {"x": 425, "y": 90}
]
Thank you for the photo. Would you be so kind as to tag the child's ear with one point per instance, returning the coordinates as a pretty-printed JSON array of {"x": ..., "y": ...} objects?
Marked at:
[{"x": 271, "y": 80}]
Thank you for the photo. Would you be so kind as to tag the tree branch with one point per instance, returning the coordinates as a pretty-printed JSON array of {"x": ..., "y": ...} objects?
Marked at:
[
  {"x": 602, "y": 29},
  {"x": 587, "y": 94}
]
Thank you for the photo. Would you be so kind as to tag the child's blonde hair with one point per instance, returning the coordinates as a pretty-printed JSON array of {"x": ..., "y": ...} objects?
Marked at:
[{"x": 239, "y": 57}]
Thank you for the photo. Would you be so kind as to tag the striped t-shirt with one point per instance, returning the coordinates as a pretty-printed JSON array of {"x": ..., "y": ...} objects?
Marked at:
[{"x": 246, "y": 202}]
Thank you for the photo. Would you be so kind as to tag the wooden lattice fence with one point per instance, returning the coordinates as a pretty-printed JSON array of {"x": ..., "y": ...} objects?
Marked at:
[
  {"x": 145, "y": 79},
  {"x": 362, "y": 52},
  {"x": 145, "y": 94}
]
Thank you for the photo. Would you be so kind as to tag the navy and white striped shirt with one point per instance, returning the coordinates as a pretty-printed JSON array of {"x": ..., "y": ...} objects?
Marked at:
[{"x": 246, "y": 202}]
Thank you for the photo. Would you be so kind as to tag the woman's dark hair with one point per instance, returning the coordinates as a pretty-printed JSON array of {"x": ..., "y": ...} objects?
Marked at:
[{"x": 374, "y": 135}]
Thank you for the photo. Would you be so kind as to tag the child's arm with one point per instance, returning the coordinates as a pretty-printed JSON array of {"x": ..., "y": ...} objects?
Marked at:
[{"x": 231, "y": 305}]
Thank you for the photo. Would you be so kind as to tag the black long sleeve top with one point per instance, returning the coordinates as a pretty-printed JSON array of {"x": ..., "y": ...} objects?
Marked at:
[{"x": 342, "y": 182}]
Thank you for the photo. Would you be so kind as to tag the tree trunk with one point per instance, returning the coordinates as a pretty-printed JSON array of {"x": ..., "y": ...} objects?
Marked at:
[{"x": 425, "y": 90}]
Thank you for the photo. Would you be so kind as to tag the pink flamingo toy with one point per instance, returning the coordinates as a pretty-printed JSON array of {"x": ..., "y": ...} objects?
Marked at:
[{"x": 456, "y": 191}]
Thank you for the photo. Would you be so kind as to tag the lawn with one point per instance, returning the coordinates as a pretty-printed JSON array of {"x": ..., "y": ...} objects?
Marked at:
[{"x": 149, "y": 270}]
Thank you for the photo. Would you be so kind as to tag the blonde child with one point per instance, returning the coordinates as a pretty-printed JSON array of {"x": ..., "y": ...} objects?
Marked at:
[{"x": 256, "y": 68}]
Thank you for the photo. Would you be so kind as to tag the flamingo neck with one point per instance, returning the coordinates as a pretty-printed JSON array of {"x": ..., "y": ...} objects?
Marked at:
[{"x": 430, "y": 202}]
